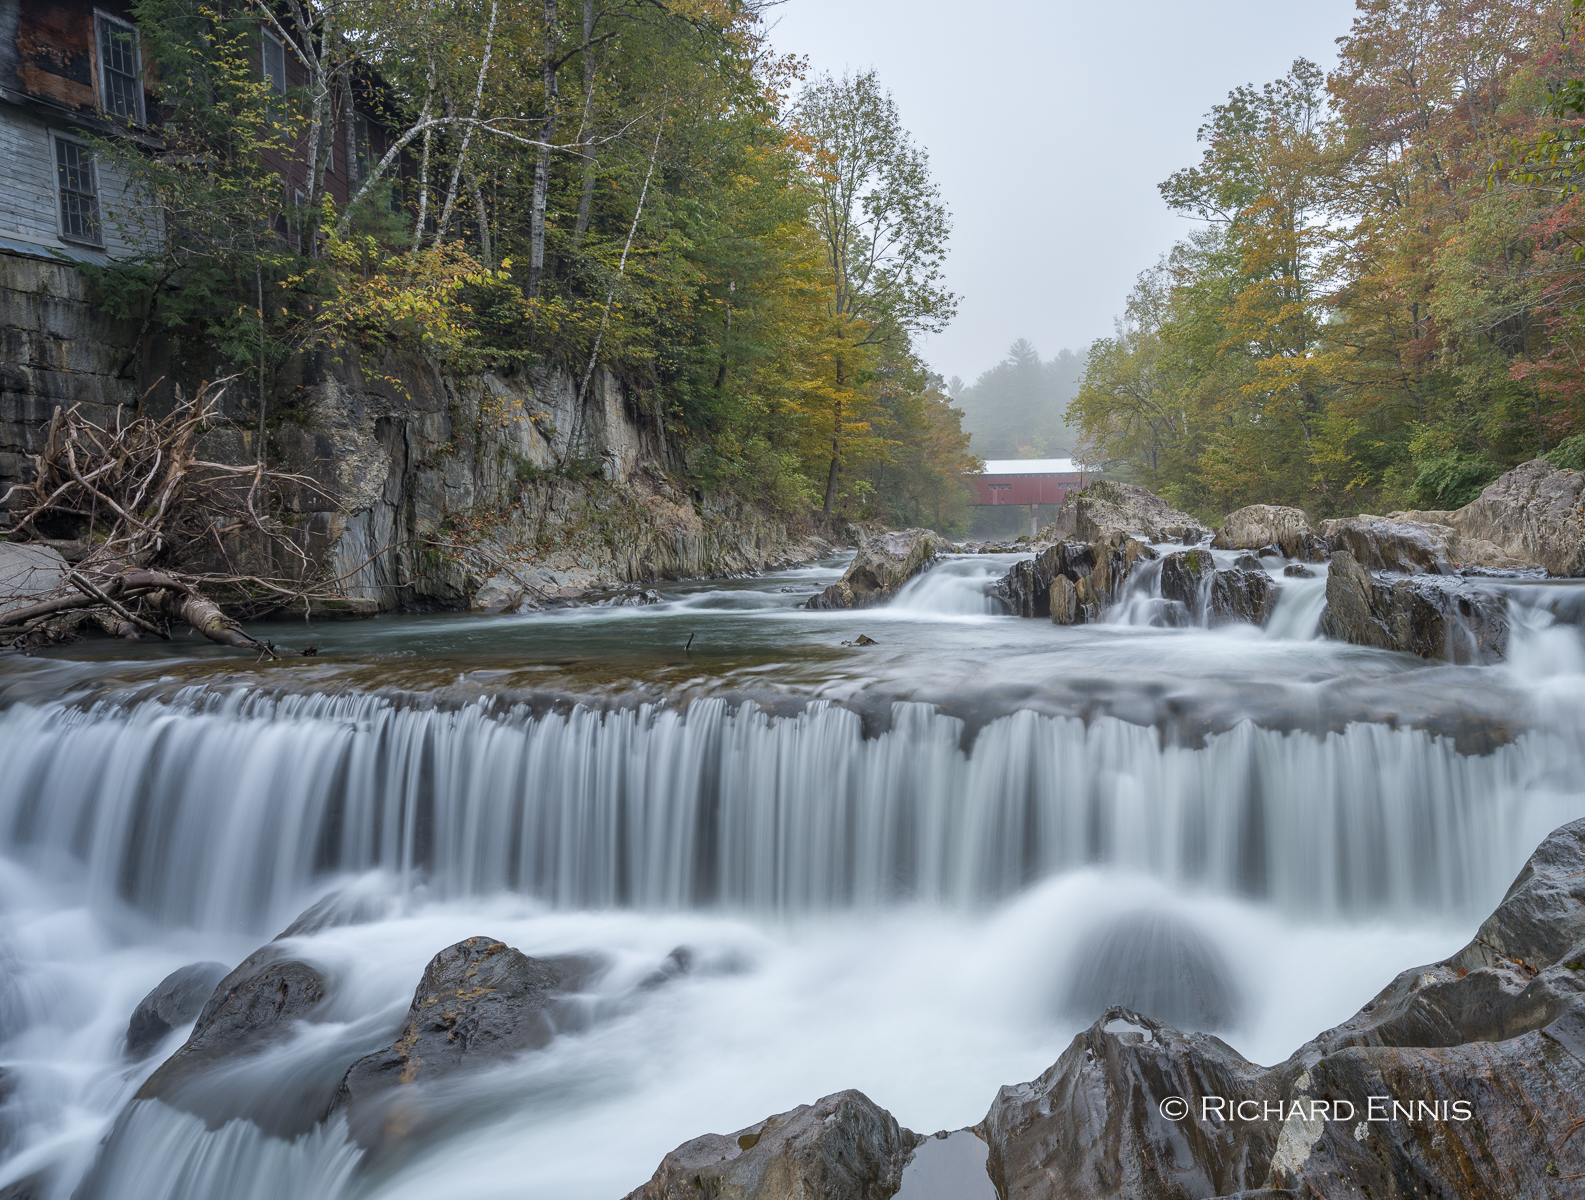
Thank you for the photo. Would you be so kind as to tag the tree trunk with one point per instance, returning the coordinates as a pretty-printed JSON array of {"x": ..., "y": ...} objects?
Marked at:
[
  {"x": 206, "y": 617},
  {"x": 586, "y": 195},
  {"x": 536, "y": 220},
  {"x": 836, "y": 459}
]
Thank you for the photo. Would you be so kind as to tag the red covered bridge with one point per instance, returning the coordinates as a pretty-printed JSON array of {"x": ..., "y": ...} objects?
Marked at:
[{"x": 1030, "y": 481}]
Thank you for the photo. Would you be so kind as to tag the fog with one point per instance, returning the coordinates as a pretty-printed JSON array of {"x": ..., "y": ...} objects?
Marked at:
[{"x": 1049, "y": 126}]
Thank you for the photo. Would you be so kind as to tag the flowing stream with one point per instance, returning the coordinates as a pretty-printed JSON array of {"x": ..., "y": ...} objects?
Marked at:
[{"x": 916, "y": 867}]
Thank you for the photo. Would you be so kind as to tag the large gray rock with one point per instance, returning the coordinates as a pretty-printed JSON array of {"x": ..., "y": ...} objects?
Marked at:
[
  {"x": 884, "y": 562},
  {"x": 1073, "y": 582},
  {"x": 479, "y": 1002},
  {"x": 1241, "y": 596},
  {"x": 1442, "y": 618},
  {"x": 1260, "y": 525},
  {"x": 1413, "y": 543},
  {"x": 1536, "y": 512},
  {"x": 1234, "y": 595},
  {"x": 841, "y": 1147},
  {"x": 1105, "y": 508},
  {"x": 177, "y": 999},
  {"x": 254, "y": 1005},
  {"x": 1091, "y": 1126},
  {"x": 28, "y": 573}
]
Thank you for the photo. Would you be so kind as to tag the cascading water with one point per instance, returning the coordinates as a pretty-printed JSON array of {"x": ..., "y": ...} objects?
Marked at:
[
  {"x": 227, "y": 812},
  {"x": 885, "y": 861}
]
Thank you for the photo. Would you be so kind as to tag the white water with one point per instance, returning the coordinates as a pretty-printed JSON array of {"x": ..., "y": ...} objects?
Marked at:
[
  {"x": 892, "y": 906},
  {"x": 227, "y": 812}
]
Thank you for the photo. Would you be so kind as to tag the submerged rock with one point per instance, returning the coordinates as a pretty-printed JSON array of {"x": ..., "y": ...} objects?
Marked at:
[
  {"x": 884, "y": 562},
  {"x": 1261, "y": 525},
  {"x": 841, "y": 1147},
  {"x": 1535, "y": 513},
  {"x": 1152, "y": 962},
  {"x": 1433, "y": 617},
  {"x": 176, "y": 1000},
  {"x": 1105, "y": 508}
]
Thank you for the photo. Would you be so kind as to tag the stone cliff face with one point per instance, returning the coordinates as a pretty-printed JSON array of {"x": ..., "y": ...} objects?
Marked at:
[{"x": 430, "y": 490}]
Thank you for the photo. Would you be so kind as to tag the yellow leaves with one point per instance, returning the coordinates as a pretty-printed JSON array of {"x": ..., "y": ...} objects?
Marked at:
[{"x": 411, "y": 298}]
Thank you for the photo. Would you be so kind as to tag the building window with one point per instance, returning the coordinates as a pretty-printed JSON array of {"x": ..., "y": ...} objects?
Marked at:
[
  {"x": 74, "y": 174},
  {"x": 275, "y": 64},
  {"x": 120, "y": 69}
]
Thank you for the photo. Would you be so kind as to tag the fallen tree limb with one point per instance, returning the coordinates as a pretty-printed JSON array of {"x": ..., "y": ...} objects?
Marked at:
[{"x": 88, "y": 589}]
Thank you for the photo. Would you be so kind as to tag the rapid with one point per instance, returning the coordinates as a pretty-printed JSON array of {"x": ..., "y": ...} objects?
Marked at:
[{"x": 915, "y": 868}]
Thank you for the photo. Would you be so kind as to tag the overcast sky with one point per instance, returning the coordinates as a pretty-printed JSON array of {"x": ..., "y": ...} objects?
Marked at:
[{"x": 1049, "y": 125}]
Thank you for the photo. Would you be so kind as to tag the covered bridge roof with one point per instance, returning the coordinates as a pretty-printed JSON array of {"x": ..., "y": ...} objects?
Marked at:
[{"x": 1031, "y": 466}]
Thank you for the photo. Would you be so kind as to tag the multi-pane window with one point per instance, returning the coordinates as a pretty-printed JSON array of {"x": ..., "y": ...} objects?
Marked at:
[
  {"x": 275, "y": 65},
  {"x": 120, "y": 70},
  {"x": 74, "y": 173}
]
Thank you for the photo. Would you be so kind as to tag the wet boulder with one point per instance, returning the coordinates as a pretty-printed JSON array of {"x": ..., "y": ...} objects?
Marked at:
[
  {"x": 1413, "y": 543},
  {"x": 884, "y": 562},
  {"x": 841, "y": 1147},
  {"x": 1186, "y": 577},
  {"x": 254, "y": 1005},
  {"x": 175, "y": 1001},
  {"x": 1105, "y": 508},
  {"x": 1073, "y": 582},
  {"x": 1241, "y": 596},
  {"x": 479, "y": 1002},
  {"x": 1440, "y": 618},
  {"x": 1092, "y": 1127},
  {"x": 1542, "y": 915},
  {"x": 1233, "y": 595},
  {"x": 1260, "y": 525},
  {"x": 1534, "y": 513}
]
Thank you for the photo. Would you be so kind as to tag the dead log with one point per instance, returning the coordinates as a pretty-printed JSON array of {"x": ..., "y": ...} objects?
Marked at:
[{"x": 205, "y": 616}]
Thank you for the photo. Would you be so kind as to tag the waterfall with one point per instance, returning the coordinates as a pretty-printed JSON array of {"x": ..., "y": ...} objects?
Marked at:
[{"x": 228, "y": 811}]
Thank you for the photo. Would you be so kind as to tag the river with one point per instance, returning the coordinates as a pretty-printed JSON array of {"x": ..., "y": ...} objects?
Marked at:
[{"x": 916, "y": 867}]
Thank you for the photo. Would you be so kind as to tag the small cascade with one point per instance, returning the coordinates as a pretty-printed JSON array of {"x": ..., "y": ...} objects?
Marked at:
[
  {"x": 227, "y": 811},
  {"x": 962, "y": 587}
]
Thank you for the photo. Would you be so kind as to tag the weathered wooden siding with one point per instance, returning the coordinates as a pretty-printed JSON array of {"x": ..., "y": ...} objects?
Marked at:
[
  {"x": 56, "y": 55},
  {"x": 29, "y": 206}
]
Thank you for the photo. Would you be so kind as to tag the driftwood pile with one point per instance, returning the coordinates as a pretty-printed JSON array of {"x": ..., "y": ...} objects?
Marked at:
[{"x": 141, "y": 521}]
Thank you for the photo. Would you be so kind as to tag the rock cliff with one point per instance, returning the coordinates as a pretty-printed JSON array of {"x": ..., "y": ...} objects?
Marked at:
[{"x": 430, "y": 489}]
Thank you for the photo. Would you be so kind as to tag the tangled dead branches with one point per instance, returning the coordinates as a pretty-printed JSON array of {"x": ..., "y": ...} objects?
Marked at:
[{"x": 150, "y": 526}]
